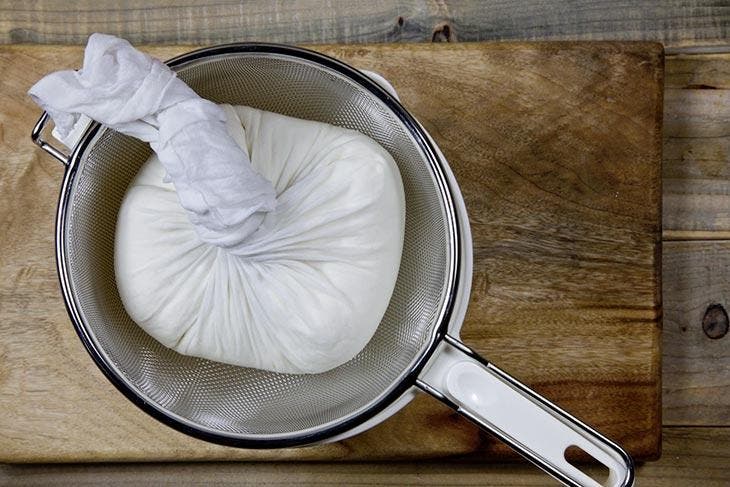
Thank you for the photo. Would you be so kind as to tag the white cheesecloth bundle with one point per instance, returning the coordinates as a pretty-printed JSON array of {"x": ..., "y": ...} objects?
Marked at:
[{"x": 250, "y": 238}]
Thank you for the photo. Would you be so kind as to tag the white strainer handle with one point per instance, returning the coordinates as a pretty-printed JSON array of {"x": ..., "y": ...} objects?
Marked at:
[{"x": 534, "y": 427}]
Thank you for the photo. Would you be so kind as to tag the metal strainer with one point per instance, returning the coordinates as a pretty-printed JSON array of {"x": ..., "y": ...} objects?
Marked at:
[{"x": 415, "y": 345}]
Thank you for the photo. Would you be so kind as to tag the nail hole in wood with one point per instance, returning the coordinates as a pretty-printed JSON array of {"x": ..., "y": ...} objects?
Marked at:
[
  {"x": 715, "y": 322},
  {"x": 400, "y": 21},
  {"x": 442, "y": 33}
]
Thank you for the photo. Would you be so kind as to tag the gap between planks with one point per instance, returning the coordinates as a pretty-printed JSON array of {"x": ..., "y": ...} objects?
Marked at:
[
  {"x": 709, "y": 49},
  {"x": 695, "y": 236}
]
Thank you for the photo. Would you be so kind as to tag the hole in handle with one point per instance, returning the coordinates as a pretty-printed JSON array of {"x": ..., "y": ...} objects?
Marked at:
[{"x": 584, "y": 462}]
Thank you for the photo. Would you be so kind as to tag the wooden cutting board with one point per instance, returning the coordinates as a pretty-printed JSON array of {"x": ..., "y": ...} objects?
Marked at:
[{"x": 556, "y": 147}]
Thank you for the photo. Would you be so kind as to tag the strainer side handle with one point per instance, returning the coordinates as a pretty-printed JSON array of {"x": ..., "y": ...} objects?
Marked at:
[
  {"x": 37, "y": 137},
  {"x": 537, "y": 429}
]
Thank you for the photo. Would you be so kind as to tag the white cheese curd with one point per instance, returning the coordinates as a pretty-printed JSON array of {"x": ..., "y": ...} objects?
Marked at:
[{"x": 305, "y": 291}]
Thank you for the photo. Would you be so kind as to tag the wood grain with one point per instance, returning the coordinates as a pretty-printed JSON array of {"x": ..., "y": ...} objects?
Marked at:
[
  {"x": 696, "y": 174},
  {"x": 692, "y": 457},
  {"x": 672, "y": 22},
  {"x": 556, "y": 148},
  {"x": 696, "y": 372}
]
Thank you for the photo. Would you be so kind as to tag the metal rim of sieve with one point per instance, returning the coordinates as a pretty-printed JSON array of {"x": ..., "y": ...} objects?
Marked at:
[{"x": 407, "y": 378}]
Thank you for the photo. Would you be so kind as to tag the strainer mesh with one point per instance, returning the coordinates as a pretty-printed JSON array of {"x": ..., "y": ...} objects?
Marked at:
[{"x": 237, "y": 401}]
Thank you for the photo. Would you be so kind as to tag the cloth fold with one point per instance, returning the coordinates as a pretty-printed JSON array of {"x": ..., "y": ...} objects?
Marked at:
[{"x": 137, "y": 95}]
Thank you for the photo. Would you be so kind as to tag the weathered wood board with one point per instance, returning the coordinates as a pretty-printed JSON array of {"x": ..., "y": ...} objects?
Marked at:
[
  {"x": 695, "y": 173},
  {"x": 675, "y": 23},
  {"x": 692, "y": 457},
  {"x": 557, "y": 149},
  {"x": 696, "y": 369}
]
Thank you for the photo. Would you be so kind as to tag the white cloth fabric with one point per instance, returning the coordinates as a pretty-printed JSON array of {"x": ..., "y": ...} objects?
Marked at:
[
  {"x": 135, "y": 94},
  {"x": 250, "y": 238},
  {"x": 307, "y": 290}
]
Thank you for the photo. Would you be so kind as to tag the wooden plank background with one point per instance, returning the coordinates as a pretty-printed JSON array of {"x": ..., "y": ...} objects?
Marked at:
[
  {"x": 676, "y": 23},
  {"x": 696, "y": 173},
  {"x": 696, "y": 457}
]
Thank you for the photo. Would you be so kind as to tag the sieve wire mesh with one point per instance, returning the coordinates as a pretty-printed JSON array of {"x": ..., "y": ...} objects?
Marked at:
[{"x": 241, "y": 402}]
